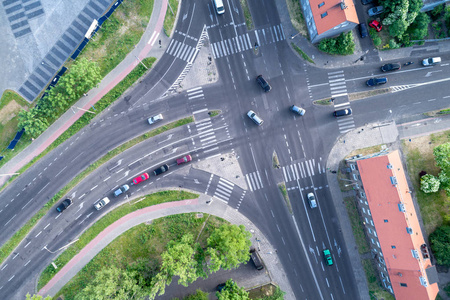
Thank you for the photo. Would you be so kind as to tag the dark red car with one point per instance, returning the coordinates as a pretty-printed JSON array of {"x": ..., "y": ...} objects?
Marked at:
[
  {"x": 375, "y": 24},
  {"x": 184, "y": 159},
  {"x": 140, "y": 178}
]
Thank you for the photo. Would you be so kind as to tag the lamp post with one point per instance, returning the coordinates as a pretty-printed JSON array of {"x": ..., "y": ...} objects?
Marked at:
[
  {"x": 294, "y": 35},
  {"x": 63, "y": 247},
  {"x": 91, "y": 112},
  {"x": 10, "y": 174}
]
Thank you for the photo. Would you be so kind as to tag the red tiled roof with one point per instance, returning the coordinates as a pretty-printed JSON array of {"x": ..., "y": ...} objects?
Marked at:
[
  {"x": 384, "y": 199},
  {"x": 335, "y": 14}
]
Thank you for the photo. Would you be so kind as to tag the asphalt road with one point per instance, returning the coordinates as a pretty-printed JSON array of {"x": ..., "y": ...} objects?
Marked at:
[{"x": 301, "y": 143}]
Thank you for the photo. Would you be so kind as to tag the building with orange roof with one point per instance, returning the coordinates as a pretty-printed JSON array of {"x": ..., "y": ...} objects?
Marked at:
[
  {"x": 328, "y": 18},
  {"x": 392, "y": 226}
]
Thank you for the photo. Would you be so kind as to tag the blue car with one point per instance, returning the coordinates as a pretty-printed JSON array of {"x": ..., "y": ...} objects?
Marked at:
[{"x": 121, "y": 190}]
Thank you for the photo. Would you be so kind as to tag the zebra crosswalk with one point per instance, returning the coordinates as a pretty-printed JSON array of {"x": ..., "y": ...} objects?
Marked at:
[
  {"x": 336, "y": 80},
  {"x": 254, "y": 181},
  {"x": 302, "y": 170},
  {"x": 181, "y": 51},
  {"x": 245, "y": 41},
  {"x": 224, "y": 189}
]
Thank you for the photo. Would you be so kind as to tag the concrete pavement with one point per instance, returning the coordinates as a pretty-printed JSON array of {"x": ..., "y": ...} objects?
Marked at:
[{"x": 216, "y": 207}]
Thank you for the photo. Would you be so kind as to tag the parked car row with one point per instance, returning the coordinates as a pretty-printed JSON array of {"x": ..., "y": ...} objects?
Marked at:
[{"x": 99, "y": 204}]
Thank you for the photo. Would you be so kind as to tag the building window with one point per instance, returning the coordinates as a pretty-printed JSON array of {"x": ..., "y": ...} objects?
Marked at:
[
  {"x": 371, "y": 222},
  {"x": 401, "y": 207},
  {"x": 403, "y": 284},
  {"x": 368, "y": 229},
  {"x": 375, "y": 233},
  {"x": 409, "y": 230},
  {"x": 389, "y": 166},
  {"x": 393, "y": 180},
  {"x": 373, "y": 242},
  {"x": 367, "y": 221},
  {"x": 393, "y": 247},
  {"x": 378, "y": 244},
  {"x": 321, "y": 4},
  {"x": 368, "y": 212},
  {"x": 364, "y": 211},
  {"x": 360, "y": 200},
  {"x": 324, "y": 15},
  {"x": 352, "y": 166},
  {"x": 386, "y": 220},
  {"x": 366, "y": 203}
]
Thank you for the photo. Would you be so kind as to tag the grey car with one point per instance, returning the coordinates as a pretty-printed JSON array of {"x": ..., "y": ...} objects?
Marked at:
[{"x": 375, "y": 10}]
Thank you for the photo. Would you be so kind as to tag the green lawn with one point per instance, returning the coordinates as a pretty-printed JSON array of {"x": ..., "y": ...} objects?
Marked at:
[
  {"x": 357, "y": 227},
  {"x": 142, "y": 245},
  {"x": 171, "y": 14}
]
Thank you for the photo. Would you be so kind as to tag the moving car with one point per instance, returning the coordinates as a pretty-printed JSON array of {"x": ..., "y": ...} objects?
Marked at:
[
  {"x": 63, "y": 205},
  {"x": 312, "y": 200},
  {"x": 375, "y": 10},
  {"x": 343, "y": 112},
  {"x": 220, "y": 9},
  {"x": 431, "y": 61},
  {"x": 298, "y": 110},
  {"x": 376, "y": 81},
  {"x": 101, "y": 203},
  {"x": 328, "y": 257},
  {"x": 154, "y": 119},
  {"x": 184, "y": 159},
  {"x": 391, "y": 67},
  {"x": 161, "y": 169},
  {"x": 140, "y": 178},
  {"x": 252, "y": 115},
  {"x": 375, "y": 24},
  {"x": 121, "y": 190},
  {"x": 263, "y": 83},
  {"x": 363, "y": 30}
]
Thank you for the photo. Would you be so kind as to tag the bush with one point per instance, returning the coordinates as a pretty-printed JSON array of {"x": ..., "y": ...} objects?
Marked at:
[
  {"x": 429, "y": 183},
  {"x": 342, "y": 45},
  {"x": 436, "y": 12},
  {"x": 440, "y": 245},
  {"x": 377, "y": 41}
]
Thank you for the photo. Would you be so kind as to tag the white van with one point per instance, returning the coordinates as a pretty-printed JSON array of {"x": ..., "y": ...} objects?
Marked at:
[
  {"x": 252, "y": 115},
  {"x": 220, "y": 9}
]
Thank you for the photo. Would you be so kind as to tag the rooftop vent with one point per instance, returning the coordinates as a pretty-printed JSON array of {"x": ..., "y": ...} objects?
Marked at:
[
  {"x": 389, "y": 166},
  {"x": 393, "y": 180}
]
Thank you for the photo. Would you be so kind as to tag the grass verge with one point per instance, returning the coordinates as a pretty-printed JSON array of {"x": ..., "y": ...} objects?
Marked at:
[
  {"x": 275, "y": 162},
  {"x": 247, "y": 14},
  {"x": 141, "y": 246},
  {"x": 267, "y": 291},
  {"x": 103, "y": 103},
  {"x": 213, "y": 113},
  {"x": 170, "y": 18},
  {"x": 296, "y": 16},
  {"x": 375, "y": 290},
  {"x": 323, "y": 102},
  {"x": 302, "y": 54},
  {"x": 363, "y": 95},
  {"x": 282, "y": 188},
  {"x": 14, "y": 241},
  {"x": 434, "y": 207},
  {"x": 357, "y": 227}
]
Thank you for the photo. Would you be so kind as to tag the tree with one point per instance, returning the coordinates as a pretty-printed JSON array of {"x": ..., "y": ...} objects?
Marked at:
[
  {"x": 232, "y": 291},
  {"x": 399, "y": 14},
  {"x": 83, "y": 76},
  {"x": 30, "y": 120},
  {"x": 444, "y": 179},
  {"x": 343, "y": 44},
  {"x": 228, "y": 246},
  {"x": 178, "y": 260},
  {"x": 199, "y": 295},
  {"x": 440, "y": 245},
  {"x": 429, "y": 183},
  {"x": 442, "y": 157},
  {"x": 278, "y": 294},
  {"x": 113, "y": 283},
  {"x": 37, "y": 297}
]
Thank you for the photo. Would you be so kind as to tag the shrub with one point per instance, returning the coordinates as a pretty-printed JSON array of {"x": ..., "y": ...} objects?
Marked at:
[{"x": 440, "y": 245}]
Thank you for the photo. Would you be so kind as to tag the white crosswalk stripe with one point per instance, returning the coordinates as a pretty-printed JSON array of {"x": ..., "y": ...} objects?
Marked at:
[
  {"x": 180, "y": 50},
  {"x": 254, "y": 181},
  {"x": 297, "y": 170},
  {"x": 224, "y": 189}
]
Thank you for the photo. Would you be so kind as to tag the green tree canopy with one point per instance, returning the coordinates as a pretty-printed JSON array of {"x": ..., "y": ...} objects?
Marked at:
[
  {"x": 440, "y": 245},
  {"x": 199, "y": 295},
  {"x": 399, "y": 14},
  {"x": 429, "y": 183},
  {"x": 228, "y": 247},
  {"x": 232, "y": 291},
  {"x": 442, "y": 157},
  {"x": 113, "y": 283},
  {"x": 342, "y": 45}
]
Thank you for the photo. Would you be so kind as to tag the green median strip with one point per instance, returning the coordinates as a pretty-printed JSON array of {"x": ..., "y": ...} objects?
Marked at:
[
  {"x": 103, "y": 103},
  {"x": 283, "y": 191},
  {"x": 14, "y": 241},
  {"x": 108, "y": 219},
  {"x": 302, "y": 54}
]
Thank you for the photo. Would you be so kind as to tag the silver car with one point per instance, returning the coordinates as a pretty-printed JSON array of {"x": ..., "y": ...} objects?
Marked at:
[
  {"x": 155, "y": 119},
  {"x": 312, "y": 200}
]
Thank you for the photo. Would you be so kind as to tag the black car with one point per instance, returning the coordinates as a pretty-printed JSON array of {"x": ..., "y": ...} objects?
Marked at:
[
  {"x": 391, "y": 67},
  {"x": 343, "y": 112},
  {"x": 65, "y": 204},
  {"x": 263, "y": 83},
  {"x": 376, "y": 81},
  {"x": 161, "y": 170},
  {"x": 363, "y": 30}
]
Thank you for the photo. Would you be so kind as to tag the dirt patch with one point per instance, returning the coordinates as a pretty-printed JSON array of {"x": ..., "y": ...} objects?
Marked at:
[{"x": 9, "y": 111}]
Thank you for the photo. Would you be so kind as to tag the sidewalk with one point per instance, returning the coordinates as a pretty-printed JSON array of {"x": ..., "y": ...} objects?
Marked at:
[
  {"x": 216, "y": 207},
  {"x": 145, "y": 48}
]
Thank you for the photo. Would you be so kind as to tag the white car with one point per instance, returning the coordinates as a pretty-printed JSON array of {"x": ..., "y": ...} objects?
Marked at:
[
  {"x": 101, "y": 203},
  {"x": 431, "y": 61},
  {"x": 155, "y": 119},
  {"x": 312, "y": 200}
]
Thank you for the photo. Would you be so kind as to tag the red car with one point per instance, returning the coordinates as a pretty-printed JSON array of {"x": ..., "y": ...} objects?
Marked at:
[
  {"x": 375, "y": 24},
  {"x": 184, "y": 159},
  {"x": 140, "y": 178}
]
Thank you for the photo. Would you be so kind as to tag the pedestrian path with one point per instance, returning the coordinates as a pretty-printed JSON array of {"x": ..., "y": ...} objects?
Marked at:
[
  {"x": 247, "y": 41},
  {"x": 302, "y": 169},
  {"x": 337, "y": 83},
  {"x": 254, "y": 181},
  {"x": 346, "y": 123}
]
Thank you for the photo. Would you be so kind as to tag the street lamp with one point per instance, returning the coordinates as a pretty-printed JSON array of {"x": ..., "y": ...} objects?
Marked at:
[
  {"x": 293, "y": 36},
  {"x": 11, "y": 174},
  {"x": 63, "y": 247},
  {"x": 82, "y": 109}
]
